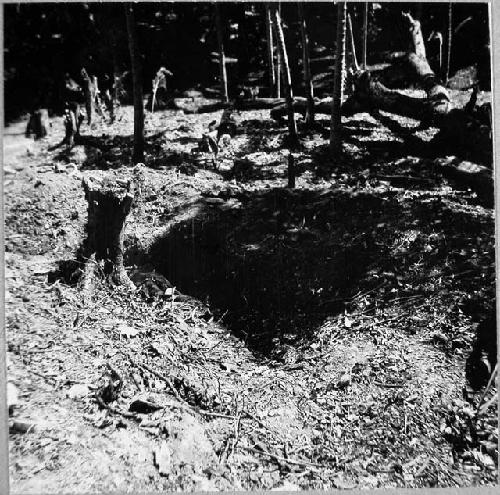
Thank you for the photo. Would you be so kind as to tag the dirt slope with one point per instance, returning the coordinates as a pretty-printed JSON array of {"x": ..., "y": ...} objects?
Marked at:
[{"x": 316, "y": 338}]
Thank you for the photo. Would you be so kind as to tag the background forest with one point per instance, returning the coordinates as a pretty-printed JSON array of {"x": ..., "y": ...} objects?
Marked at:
[{"x": 44, "y": 42}]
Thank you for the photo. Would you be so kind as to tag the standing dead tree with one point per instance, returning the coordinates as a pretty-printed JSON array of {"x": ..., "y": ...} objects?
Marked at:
[
  {"x": 222, "y": 55},
  {"x": 138, "y": 153},
  {"x": 338, "y": 81},
  {"x": 306, "y": 65},
  {"x": 292, "y": 126}
]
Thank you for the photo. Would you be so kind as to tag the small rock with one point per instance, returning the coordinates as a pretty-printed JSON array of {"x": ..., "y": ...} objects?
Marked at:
[
  {"x": 78, "y": 391},
  {"x": 59, "y": 168}
]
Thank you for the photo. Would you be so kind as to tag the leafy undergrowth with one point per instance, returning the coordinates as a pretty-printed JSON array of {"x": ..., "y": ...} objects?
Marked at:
[{"x": 306, "y": 338}]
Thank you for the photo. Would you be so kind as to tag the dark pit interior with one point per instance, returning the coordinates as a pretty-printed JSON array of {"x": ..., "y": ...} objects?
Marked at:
[{"x": 276, "y": 264}]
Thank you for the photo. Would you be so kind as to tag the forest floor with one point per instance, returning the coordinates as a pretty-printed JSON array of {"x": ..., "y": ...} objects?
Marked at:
[{"x": 315, "y": 338}]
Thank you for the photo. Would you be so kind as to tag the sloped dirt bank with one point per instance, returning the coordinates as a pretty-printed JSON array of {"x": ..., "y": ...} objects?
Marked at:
[{"x": 366, "y": 293}]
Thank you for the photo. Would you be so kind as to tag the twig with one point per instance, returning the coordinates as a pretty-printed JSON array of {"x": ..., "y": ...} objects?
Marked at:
[
  {"x": 236, "y": 437},
  {"x": 487, "y": 389}
]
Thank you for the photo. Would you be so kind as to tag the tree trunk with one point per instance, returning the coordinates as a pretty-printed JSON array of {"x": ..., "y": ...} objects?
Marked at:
[
  {"x": 138, "y": 153},
  {"x": 450, "y": 36},
  {"x": 109, "y": 203},
  {"x": 291, "y": 171},
  {"x": 278, "y": 61},
  {"x": 352, "y": 43},
  {"x": 338, "y": 82},
  {"x": 308, "y": 86},
  {"x": 365, "y": 36},
  {"x": 292, "y": 126},
  {"x": 270, "y": 51},
  {"x": 222, "y": 55},
  {"x": 70, "y": 125},
  {"x": 38, "y": 124},
  {"x": 88, "y": 93},
  {"x": 243, "y": 45}
]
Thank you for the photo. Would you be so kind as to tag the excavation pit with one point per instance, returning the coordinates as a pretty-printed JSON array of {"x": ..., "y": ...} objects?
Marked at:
[{"x": 274, "y": 264}]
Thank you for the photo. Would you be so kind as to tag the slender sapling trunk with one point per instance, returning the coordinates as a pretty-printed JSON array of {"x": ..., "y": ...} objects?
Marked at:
[
  {"x": 138, "y": 153},
  {"x": 338, "y": 82}
]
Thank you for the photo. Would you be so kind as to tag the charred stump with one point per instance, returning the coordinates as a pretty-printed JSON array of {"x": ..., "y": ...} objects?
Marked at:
[
  {"x": 38, "y": 124},
  {"x": 109, "y": 203}
]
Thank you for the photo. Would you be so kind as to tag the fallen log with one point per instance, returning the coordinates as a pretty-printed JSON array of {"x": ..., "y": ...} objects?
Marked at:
[
  {"x": 197, "y": 105},
  {"x": 461, "y": 130}
]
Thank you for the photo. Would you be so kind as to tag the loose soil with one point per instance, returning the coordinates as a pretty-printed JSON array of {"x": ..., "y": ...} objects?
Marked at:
[{"x": 308, "y": 338}]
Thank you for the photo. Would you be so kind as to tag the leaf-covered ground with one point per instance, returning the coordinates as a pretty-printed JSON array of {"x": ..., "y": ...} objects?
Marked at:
[{"x": 307, "y": 338}]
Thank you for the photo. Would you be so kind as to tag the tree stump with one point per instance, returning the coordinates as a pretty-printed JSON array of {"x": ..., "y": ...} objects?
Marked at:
[
  {"x": 38, "y": 124},
  {"x": 109, "y": 203}
]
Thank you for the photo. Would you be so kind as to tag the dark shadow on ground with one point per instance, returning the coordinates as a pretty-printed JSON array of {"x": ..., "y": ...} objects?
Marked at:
[{"x": 275, "y": 264}]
